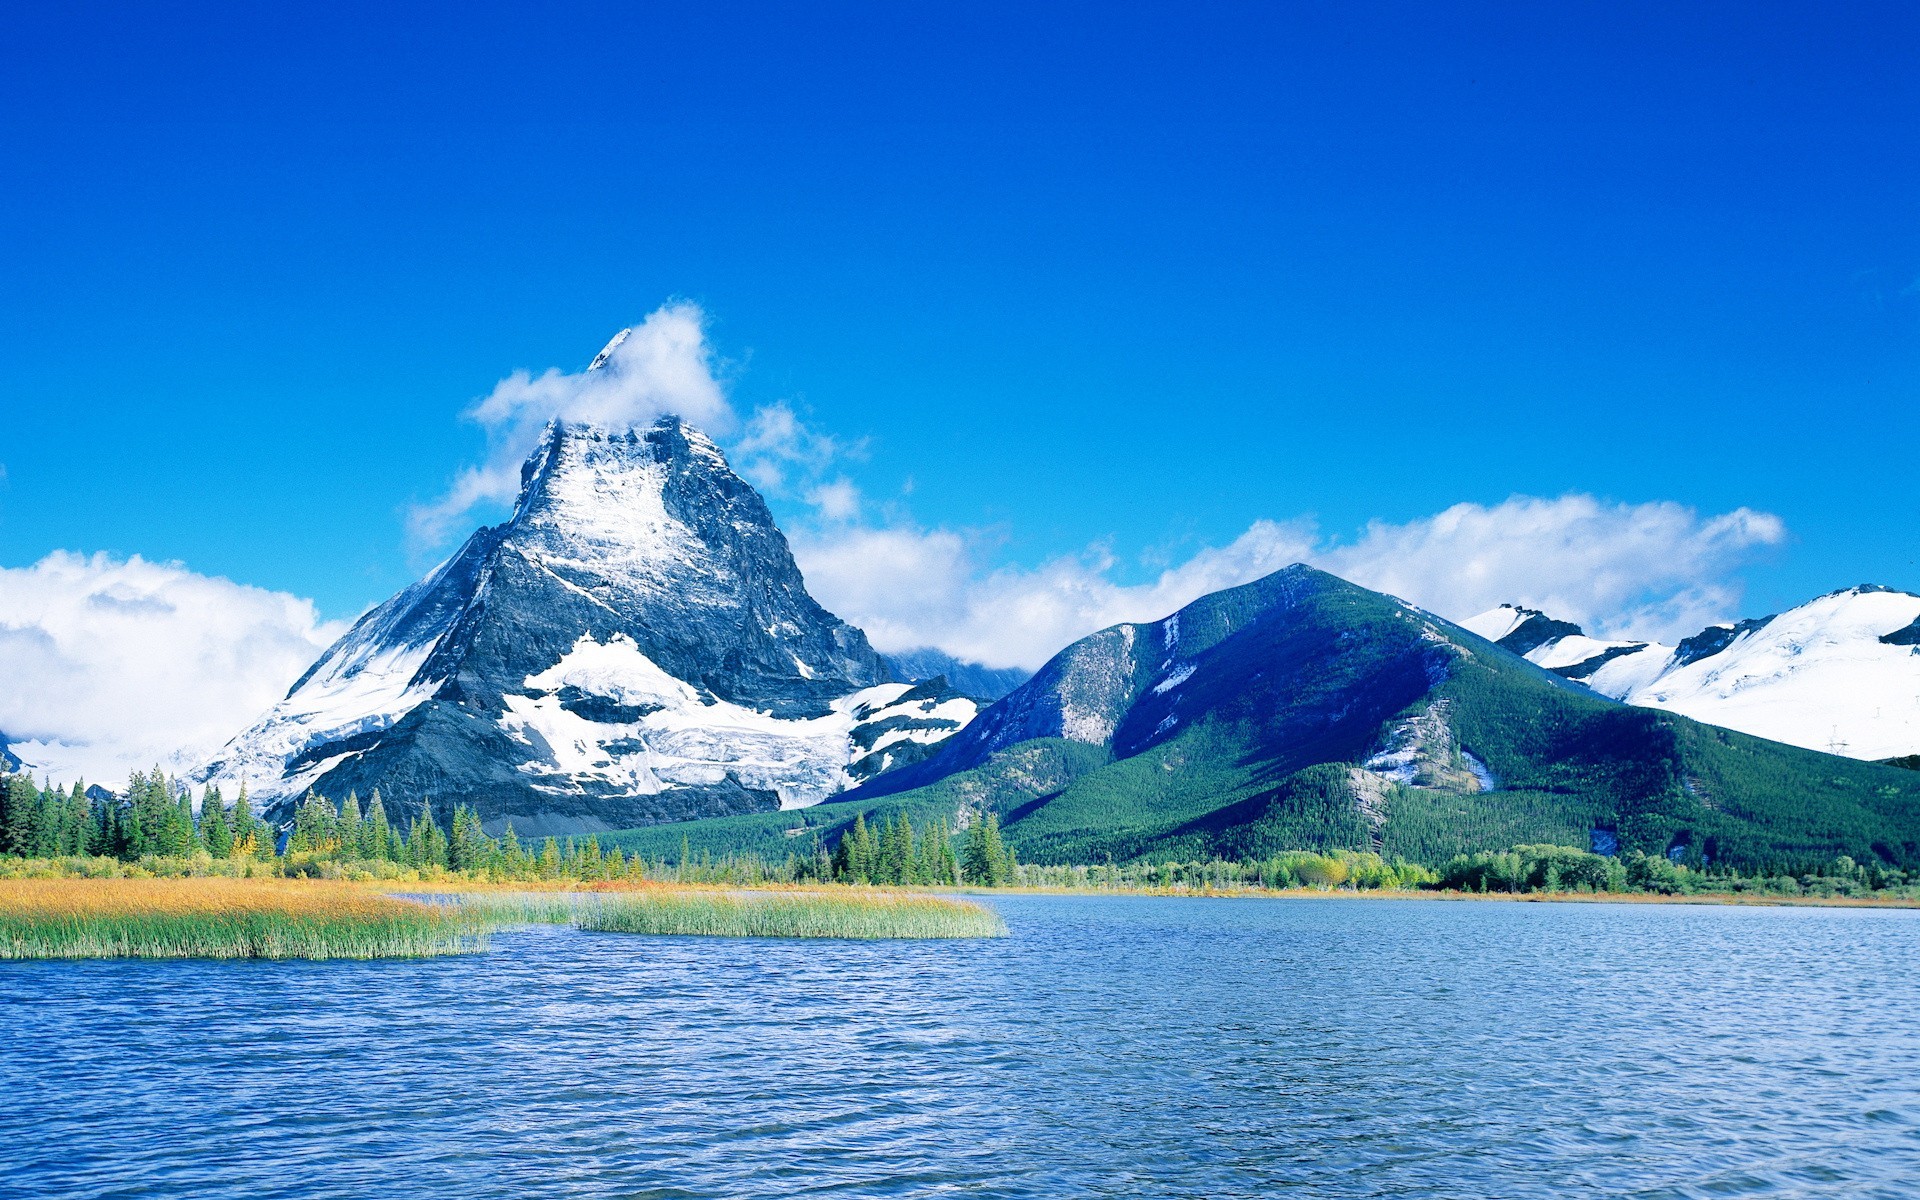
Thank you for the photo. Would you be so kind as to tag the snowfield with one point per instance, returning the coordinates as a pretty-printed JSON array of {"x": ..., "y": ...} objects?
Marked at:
[{"x": 1834, "y": 674}]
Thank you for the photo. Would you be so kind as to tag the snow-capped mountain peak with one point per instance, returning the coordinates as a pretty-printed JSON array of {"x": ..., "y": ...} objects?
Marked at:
[
  {"x": 1839, "y": 673},
  {"x": 634, "y": 644}
]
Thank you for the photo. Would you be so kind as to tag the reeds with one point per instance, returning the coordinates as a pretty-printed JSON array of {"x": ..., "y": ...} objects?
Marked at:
[
  {"x": 221, "y": 918},
  {"x": 230, "y": 918},
  {"x": 722, "y": 913}
]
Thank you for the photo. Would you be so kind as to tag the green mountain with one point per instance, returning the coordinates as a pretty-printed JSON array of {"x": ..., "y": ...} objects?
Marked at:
[{"x": 1303, "y": 712}]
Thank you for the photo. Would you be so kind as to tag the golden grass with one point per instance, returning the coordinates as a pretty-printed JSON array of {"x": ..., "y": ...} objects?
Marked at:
[
  {"x": 280, "y": 918},
  {"x": 220, "y": 918}
]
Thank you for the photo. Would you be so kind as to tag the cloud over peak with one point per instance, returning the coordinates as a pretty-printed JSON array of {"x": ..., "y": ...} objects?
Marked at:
[{"x": 663, "y": 365}]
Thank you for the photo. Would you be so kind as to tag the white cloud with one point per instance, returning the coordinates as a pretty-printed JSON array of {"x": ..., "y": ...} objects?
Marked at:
[
  {"x": 909, "y": 587},
  {"x": 782, "y": 456},
  {"x": 1653, "y": 570},
  {"x": 663, "y": 365},
  {"x": 115, "y": 665},
  {"x": 836, "y": 501}
]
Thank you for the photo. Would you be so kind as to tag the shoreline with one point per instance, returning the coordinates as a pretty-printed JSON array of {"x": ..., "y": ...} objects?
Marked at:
[{"x": 1726, "y": 899}]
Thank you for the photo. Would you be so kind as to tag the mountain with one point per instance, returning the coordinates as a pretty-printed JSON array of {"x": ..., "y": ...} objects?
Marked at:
[
  {"x": 971, "y": 679},
  {"x": 1303, "y": 711},
  {"x": 1838, "y": 673},
  {"x": 634, "y": 645}
]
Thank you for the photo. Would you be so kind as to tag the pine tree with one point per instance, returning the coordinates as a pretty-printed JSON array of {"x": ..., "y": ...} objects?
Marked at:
[
  {"x": 250, "y": 835},
  {"x": 109, "y": 837},
  {"x": 310, "y": 821},
  {"x": 215, "y": 829},
  {"x": 184, "y": 823},
  {"x": 16, "y": 822},
  {"x": 589, "y": 860},
  {"x": 469, "y": 848},
  {"x": 378, "y": 832},
  {"x": 136, "y": 830},
  {"x": 512, "y": 857},
  {"x": 22, "y": 800},
  {"x": 857, "y": 857},
  {"x": 43, "y": 826},
  {"x": 985, "y": 863},
  {"x": 899, "y": 868},
  {"x": 949, "y": 861},
  {"x": 79, "y": 821},
  {"x": 432, "y": 843},
  {"x": 349, "y": 831},
  {"x": 549, "y": 859}
]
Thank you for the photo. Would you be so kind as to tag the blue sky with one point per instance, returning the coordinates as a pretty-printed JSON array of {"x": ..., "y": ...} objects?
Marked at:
[{"x": 1074, "y": 281}]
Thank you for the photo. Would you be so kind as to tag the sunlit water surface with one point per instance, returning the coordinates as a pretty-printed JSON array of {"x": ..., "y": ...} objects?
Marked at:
[{"x": 1112, "y": 1046}]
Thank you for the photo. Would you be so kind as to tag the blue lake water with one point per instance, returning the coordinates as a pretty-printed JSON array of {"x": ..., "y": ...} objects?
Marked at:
[{"x": 1113, "y": 1046}]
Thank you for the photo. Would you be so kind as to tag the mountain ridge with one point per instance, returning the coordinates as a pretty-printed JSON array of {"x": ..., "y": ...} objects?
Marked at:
[{"x": 1304, "y": 712}]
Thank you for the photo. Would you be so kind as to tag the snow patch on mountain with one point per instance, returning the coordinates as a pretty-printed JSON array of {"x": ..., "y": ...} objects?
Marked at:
[{"x": 607, "y": 714}]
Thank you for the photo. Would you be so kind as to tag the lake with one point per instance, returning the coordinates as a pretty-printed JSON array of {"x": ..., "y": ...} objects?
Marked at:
[{"x": 1113, "y": 1046}]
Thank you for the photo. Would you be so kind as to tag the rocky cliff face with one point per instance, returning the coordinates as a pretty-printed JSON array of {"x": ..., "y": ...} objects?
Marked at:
[{"x": 634, "y": 645}]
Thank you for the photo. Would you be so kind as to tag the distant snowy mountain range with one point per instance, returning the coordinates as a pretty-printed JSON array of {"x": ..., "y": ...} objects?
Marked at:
[{"x": 1840, "y": 673}]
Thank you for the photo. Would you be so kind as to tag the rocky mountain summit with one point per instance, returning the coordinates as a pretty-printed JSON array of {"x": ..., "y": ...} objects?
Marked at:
[{"x": 635, "y": 644}]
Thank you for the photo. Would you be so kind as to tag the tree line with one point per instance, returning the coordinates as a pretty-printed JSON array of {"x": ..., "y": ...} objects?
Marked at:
[
  {"x": 156, "y": 822},
  {"x": 153, "y": 816}
]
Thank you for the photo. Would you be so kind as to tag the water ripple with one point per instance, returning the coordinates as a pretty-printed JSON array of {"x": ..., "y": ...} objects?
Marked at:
[{"x": 1112, "y": 1047}]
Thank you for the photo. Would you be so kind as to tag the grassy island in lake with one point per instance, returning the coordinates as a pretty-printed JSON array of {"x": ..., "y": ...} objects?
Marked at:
[
  {"x": 220, "y": 918},
  {"x": 278, "y": 918}
]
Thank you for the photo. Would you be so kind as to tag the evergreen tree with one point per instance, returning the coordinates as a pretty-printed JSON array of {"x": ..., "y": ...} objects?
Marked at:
[
  {"x": 136, "y": 831},
  {"x": 43, "y": 823},
  {"x": 314, "y": 824},
  {"x": 215, "y": 829},
  {"x": 549, "y": 859},
  {"x": 251, "y": 838},
  {"x": 18, "y": 797},
  {"x": 513, "y": 858},
  {"x": 379, "y": 835},
  {"x": 899, "y": 851},
  {"x": 107, "y": 828},
  {"x": 349, "y": 831},
  {"x": 469, "y": 848},
  {"x": 985, "y": 863},
  {"x": 79, "y": 822},
  {"x": 588, "y": 861},
  {"x": 183, "y": 822},
  {"x": 431, "y": 850},
  {"x": 854, "y": 859}
]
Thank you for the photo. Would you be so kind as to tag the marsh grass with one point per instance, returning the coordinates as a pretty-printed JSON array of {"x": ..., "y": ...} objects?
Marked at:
[
  {"x": 722, "y": 913},
  {"x": 233, "y": 918},
  {"x": 221, "y": 918}
]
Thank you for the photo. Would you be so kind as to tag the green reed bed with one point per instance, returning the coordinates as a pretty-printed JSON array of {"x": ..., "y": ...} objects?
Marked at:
[
  {"x": 702, "y": 913},
  {"x": 218, "y": 918}
]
